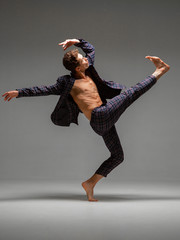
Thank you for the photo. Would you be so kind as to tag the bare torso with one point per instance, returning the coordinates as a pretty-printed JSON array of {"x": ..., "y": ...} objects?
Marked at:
[{"x": 85, "y": 94}]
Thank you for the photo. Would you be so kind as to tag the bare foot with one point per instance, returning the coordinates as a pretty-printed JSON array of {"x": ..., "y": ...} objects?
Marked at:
[
  {"x": 161, "y": 67},
  {"x": 88, "y": 187}
]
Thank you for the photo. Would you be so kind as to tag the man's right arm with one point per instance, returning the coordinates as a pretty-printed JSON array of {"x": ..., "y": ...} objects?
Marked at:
[
  {"x": 55, "y": 89},
  {"x": 42, "y": 90}
]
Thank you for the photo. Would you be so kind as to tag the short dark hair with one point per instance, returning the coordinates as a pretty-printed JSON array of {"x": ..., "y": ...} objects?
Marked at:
[{"x": 70, "y": 61}]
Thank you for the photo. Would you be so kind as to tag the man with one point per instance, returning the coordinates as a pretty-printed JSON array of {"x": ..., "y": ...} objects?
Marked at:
[{"x": 84, "y": 91}]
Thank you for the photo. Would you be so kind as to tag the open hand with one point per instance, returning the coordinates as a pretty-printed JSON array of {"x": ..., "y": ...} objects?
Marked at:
[
  {"x": 9, "y": 95},
  {"x": 68, "y": 43}
]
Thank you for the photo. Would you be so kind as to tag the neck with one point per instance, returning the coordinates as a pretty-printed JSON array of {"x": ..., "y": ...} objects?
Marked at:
[{"x": 80, "y": 75}]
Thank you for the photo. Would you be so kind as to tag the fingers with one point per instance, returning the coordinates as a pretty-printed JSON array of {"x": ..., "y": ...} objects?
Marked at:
[
  {"x": 4, "y": 94},
  {"x": 7, "y": 96},
  {"x": 68, "y": 43},
  {"x": 63, "y": 45},
  {"x": 8, "y": 99}
]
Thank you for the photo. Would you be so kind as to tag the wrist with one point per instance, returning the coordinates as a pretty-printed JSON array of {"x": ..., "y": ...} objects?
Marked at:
[
  {"x": 78, "y": 43},
  {"x": 76, "y": 40}
]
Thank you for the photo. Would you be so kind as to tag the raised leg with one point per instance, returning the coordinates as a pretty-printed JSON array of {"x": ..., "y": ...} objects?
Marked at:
[{"x": 106, "y": 116}]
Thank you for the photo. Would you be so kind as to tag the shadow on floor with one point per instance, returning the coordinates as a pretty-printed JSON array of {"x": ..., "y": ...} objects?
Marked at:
[{"x": 82, "y": 197}]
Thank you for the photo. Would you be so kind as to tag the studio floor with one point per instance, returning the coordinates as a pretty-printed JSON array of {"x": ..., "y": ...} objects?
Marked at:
[{"x": 60, "y": 211}]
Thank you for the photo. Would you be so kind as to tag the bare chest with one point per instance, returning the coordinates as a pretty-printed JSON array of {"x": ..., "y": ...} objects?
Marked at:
[{"x": 83, "y": 86}]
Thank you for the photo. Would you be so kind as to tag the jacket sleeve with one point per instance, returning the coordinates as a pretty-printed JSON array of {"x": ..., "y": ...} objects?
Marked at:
[
  {"x": 42, "y": 90},
  {"x": 88, "y": 49}
]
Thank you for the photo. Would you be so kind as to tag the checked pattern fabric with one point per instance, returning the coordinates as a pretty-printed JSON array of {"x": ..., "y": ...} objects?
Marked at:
[{"x": 103, "y": 121}]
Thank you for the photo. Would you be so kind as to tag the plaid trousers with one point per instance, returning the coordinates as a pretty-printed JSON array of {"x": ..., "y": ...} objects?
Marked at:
[{"x": 103, "y": 121}]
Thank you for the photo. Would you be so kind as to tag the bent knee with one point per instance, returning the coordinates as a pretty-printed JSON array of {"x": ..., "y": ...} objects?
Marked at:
[{"x": 119, "y": 158}]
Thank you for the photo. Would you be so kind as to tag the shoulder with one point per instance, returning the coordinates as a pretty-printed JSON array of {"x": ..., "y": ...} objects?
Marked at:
[
  {"x": 64, "y": 78},
  {"x": 66, "y": 82}
]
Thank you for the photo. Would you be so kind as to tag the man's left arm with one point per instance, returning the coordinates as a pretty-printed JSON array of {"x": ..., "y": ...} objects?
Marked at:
[{"x": 87, "y": 48}]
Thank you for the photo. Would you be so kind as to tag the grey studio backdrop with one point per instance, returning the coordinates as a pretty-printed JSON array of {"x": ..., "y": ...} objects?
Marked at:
[{"x": 123, "y": 33}]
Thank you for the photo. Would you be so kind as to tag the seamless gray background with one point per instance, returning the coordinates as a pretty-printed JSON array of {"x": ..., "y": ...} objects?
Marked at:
[{"x": 123, "y": 33}]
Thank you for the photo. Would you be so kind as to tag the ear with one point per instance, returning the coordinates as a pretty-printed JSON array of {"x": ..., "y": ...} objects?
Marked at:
[{"x": 77, "y": 69}]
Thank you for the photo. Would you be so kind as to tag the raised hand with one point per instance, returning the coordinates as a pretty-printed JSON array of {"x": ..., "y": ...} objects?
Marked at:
[
  {"x": 68, "y": 43},
  {"x": 9, "y": 95}
]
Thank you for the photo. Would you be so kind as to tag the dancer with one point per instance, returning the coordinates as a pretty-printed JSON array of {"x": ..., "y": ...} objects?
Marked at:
[{"x": 84, "y": 91}]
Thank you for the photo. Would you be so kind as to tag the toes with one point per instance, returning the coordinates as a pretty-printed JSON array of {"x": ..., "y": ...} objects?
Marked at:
[
  {"x": 156, "y": 58},
  {"x": 152, "y": 57},
  {"x": 149, "y": 57},
  {"x": 93, "y": 200}
]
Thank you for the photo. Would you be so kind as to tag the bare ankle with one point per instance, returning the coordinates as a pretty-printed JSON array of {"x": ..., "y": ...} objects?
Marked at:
[{"x": 90, "y": 183}]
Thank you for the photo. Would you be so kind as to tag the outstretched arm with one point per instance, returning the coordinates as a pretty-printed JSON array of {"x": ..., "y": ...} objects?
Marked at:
[
  {"x": 87, "y": 48},
  {"x": 55, "y": 89}
]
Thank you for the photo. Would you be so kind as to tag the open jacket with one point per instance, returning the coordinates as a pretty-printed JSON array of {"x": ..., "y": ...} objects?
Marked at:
[{"x": 66, "y": 110}]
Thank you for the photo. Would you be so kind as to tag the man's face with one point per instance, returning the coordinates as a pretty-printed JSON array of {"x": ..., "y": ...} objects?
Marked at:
[{"x": 83, "y": 62}]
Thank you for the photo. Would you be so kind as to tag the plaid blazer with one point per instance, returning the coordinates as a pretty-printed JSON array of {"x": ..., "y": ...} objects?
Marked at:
[{"x": 66, "y": 110}]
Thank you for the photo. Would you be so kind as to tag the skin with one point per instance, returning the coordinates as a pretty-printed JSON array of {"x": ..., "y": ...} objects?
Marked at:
[
  {"x": 85, "y": 94},
  {"x": 84, "y": 90}
]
